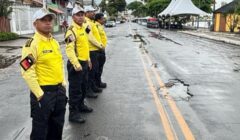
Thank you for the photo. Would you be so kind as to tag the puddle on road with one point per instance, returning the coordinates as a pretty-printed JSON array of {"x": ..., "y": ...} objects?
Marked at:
[{"x": 161, "y": 37}]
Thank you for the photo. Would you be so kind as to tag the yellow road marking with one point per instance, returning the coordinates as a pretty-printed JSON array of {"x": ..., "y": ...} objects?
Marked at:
[
  {"x": 161, "y": 111},
  {"x": 181, "y": 121}
]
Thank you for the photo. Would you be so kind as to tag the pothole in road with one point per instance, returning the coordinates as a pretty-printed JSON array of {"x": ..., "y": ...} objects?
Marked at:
[
  {"x": 179, "y": 90},
  {"x": 161, "y": 37}
]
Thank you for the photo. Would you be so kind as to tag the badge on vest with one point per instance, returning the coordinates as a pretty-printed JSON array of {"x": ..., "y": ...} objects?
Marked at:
[
  {"x": 27, "y": 62},
  {"x": 47, "y": 51}
]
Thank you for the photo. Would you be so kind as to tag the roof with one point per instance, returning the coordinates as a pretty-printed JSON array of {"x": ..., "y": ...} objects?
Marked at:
[
  {"x": 227, "y": 8},
  {"x": 182, "y": 7}
]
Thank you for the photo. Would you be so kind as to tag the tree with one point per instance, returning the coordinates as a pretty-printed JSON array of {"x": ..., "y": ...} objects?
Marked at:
[
  {"x": 134, "y": 5},
  {"x": 113, "y": 6},
  {"x": 156, "y": 6},
  {"x": 139, "y": 10},
  {"x": 204, "y": 5},
  {"x": 120, "y": 5}
]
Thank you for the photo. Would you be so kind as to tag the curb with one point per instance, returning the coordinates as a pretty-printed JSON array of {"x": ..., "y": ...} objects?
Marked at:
[{"x": 229, "y": 41}]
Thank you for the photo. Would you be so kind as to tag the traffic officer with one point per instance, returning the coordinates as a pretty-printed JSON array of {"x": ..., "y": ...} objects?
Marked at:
[
  {"x": 42, "y": 68},
  {"x": 99, "y": 21},
  {"x": 95, "y": 46},
  {"x": 77, "y": 50}
]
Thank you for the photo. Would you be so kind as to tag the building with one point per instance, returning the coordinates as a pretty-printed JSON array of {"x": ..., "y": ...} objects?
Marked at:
[
  {"x": 22, "y": 15},
  {"x": 226, "y": 20}
]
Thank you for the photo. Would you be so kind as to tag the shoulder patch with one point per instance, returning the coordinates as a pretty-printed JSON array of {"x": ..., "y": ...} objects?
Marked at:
[
  {"x": 27, "y": 62},
  {"x": 87, "y": 29},
  {"x": 69, "y": 39},
  {"x": 28, "y": 43},
  {"x": 70, "y": 27}
]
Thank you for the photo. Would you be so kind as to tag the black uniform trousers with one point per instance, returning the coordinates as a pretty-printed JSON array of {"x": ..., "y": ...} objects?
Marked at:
[
  {"x": 102, "y": 60},
  {"x": 48, "y": 113},
  {"x": 94, "y": 72},
  {"x": 77, "y": 85}
]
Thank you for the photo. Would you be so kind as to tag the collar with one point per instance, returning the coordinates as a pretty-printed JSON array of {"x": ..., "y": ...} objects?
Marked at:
[
  {"x": 74, "y": 24},
  {"x": 88, "y": 19},
  {"x": 40, "y": 36}
]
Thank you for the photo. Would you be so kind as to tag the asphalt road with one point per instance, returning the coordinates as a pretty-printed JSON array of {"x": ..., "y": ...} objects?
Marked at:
[{"x": 161, "y": 85}]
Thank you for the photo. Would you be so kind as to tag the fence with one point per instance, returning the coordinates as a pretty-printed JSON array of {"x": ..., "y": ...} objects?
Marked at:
[{"x": 4, "y": 24}]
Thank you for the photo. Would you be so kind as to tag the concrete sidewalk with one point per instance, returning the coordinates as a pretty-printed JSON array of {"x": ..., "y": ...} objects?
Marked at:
[{"x": 218, "y": 36}]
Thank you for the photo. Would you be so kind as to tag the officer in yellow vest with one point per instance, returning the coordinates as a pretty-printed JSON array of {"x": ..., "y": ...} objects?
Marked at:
[
  {"x": 99, "y": 21},
  {"x": 96, "y": 46},
  {"x": 42, "y": 68},
  {"x": 77, "y": 50}
]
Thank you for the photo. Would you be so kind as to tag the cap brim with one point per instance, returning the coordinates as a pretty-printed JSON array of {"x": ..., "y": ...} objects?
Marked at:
[
  {"x": 78, "y": 12},
  {"x": 49, "y": 14}
]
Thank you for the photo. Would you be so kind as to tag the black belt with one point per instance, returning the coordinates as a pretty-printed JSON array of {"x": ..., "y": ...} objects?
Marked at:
[{"x": 51, "y": 87}]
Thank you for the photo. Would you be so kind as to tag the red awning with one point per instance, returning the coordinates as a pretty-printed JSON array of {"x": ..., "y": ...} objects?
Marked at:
[{"x": 55, "y": 10}]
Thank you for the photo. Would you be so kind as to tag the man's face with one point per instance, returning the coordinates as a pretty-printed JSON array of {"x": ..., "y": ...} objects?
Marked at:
[
  {"x": 102, "y": 20},
  {"x": 91, "y": 14},
  {"x": 44, "y": 25},
  {"x": 79, "y": 18}
]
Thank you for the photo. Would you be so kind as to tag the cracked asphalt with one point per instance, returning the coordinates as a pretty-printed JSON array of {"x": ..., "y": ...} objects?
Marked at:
[{"x": 161, "y": 85}]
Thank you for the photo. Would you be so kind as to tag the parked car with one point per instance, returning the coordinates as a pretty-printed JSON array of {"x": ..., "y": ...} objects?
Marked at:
[{"x": 110, "y": 24}]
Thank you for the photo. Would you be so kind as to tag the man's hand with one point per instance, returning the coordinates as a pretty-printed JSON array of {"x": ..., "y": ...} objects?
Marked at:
[
  {"x": 77, "y": 67},
  {"x": 39, "y": 98},
  {"x": 90, "y": 64}
]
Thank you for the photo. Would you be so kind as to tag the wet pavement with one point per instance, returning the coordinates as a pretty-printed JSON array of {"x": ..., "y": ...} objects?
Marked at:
[{"x": 161, "y": 85}]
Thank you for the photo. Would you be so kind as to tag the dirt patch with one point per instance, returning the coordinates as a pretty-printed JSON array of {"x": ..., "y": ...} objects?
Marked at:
[
  {"x": 161, "y": 37},
  {"x": 6, "y": 61}
]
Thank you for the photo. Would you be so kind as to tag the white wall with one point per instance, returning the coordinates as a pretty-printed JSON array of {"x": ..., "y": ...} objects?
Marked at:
[{"x": 21, "y": 19}]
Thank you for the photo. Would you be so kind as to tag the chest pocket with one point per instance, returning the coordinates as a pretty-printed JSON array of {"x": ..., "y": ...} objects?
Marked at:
[
  {"x": 47, "y": 53},
  {"x": 81, "y": 38}
]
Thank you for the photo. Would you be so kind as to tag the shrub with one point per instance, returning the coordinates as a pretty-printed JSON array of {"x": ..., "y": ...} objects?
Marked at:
[{"x": 4, "y": 36}]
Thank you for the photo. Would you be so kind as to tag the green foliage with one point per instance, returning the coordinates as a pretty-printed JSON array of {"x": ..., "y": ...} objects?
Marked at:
[
  {"x": 204, "y": 5},
  {"x": 4, "y": 36},
  {"x": 156, "y": 6},
  {"x": 5, "y": 8},
  {"x": 152, "y": 7},
  {"x": 113, "y": 6},
  {"x": 120, "y": 5},
  {"x": 134, "y": 5}
]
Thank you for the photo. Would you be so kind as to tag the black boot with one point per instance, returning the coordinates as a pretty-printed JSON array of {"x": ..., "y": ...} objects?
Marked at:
[
  {"x": 102, "y": 85},
  {"x": 91, "y": 94},
  {"x": 84, "y": 108},
  {"x": 96, "y": 89},
  {"x": 75, "y": 117}
]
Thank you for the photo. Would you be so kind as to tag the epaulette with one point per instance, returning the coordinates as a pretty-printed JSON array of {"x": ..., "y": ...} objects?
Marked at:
[
  {"x": 70, "y": 27},
  {"x": 28, "y": 43}
]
